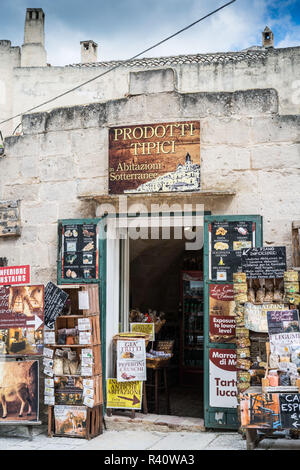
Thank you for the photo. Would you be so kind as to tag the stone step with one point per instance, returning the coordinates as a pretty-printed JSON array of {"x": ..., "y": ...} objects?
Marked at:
[{"x": 153, "y": 422}]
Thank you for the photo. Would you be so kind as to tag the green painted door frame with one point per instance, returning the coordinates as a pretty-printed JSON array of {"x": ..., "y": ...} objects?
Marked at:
[{"x": 219, "y": 417}]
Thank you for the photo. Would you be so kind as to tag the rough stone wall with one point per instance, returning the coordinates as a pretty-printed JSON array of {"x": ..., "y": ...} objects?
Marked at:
[
  {"x": 10, "y": 57},
  {"x": 225, "y": 72},
  {"x": 246, "y": 147}
]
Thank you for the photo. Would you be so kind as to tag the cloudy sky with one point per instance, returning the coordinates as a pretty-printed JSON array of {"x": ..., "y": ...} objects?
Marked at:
[{"x": 122, "y": 28}]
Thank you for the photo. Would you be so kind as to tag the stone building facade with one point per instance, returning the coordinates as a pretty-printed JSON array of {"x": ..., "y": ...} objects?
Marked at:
[{"x": 58, "y": 160}]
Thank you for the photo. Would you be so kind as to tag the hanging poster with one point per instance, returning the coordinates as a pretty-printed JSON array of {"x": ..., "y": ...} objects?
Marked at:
[
  {"x": 19, "y": 386},
  {"x": 264, "y": 263},
  {"x": 21, "y": 320},
  {"x": 148, "y": 328},
  {"x": 122, "y": 395},
  {"x": 70, "y": 420},
  {"x": 226, "y": 240},
  {"x": 68, "y": 390},
  {"x": 221, "y": 313},
  {"x": 79, "y": 251},
  {"x": 131, "y": 361},
  {"x": 154, "y": 158},
  {"x": 260, "y": 410},
  {"x": 222, "y": 378}
]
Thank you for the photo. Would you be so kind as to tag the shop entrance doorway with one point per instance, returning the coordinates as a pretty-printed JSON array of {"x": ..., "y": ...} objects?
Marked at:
[{"x": 166, "y": 286}]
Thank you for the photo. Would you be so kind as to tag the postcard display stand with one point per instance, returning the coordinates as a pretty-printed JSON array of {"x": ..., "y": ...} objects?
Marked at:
[
  {"x": 268, "y": 354},
  {"x": 73, "y": 383}
]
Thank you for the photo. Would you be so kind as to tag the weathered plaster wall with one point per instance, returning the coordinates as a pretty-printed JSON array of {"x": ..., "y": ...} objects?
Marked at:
[
  {"x": 222, "y": 72},
  {"x": 10, "y": 57},
  {"x": 246, "y": 146}
]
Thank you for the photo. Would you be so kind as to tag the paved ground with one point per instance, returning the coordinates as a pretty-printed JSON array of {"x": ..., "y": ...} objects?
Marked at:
[{"x": 140, "y": 440}]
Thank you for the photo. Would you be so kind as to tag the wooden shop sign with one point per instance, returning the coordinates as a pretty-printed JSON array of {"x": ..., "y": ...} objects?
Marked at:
[{"x": 151, "y": 158}]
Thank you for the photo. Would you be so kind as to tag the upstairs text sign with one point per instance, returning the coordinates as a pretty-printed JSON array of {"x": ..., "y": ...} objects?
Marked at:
[
  {"x": 12, "y": 275},
  {"x": 154, "y": 158}
]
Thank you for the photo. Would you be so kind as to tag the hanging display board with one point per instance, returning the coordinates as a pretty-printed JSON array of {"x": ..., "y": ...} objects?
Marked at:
[
  {"x": 264, "y": 263},
  {"x": 19, "y": 385},
  {"x": 227, "y": 239},
  {"x": 154, "y": 158},
  {"x": 221, "y": 313},
  {"x": 55, "y": 299},
  {"x": 79, "y": 252},
  {"x": 12, "y": 275},
  {"x": 122, "y": 395},
  {"x": 21, "y": 319}
]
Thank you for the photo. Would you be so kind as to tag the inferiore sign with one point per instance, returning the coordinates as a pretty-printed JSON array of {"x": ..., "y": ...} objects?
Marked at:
[{"x": 154, "y": 158}]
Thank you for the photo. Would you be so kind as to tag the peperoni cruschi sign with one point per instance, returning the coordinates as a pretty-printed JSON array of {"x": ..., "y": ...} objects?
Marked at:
[{"x": 150, "y": 158}]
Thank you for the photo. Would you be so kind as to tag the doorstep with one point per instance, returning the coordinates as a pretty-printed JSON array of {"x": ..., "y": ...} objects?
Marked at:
[{"x": 152, "y": 422}]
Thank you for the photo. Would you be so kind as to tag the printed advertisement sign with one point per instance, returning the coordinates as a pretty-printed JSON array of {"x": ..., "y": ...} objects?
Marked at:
[
  {"x": 70, "y": 420},
  {"x": 283, "y": 321},
  {"x": 131, "y": 361},
  {"x": 221, "y": 313},
  {"x": 148, "y": 328},
  {"x": 271, "y": 410},
  {"x": 154, "y": 158},
  {"x": 226, "y": 242},
  {"x": 124, "y": 395},
  {"x": 19, "y": 385},
  {"x": 256, "y": 316},
  {"x": 222, "y": 378},
  {"x": 79, "y": 251},
  {"x": 10, "y": 275},
  {"x": 21, "y": 319}
]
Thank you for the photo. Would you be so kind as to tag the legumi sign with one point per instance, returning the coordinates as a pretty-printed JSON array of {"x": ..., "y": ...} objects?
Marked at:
[{"x": 154, "y": 158}]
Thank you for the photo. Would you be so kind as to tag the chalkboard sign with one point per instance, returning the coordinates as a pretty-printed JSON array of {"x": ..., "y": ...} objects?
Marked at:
[
  {"x": 227, "y": 239},
  {"x": 264, "y": 263},
  {"x": 79, "y": 251},
  {"x": 289, "y": 404},
  {"x": 55, "y": 299}
]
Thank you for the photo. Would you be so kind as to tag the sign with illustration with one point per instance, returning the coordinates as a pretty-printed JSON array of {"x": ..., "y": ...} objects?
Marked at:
[
  {"x": 221, "y": 313},
  {"x": 79, "y": 249},
  {"x": 226, "y": 242},
  {"x": 122, "y": 395},
  {"x": 153, "y": 158},
  {"x": 12, "y": 275},
  {"x": 222, "y": 378},
  {"x": 270, "y": 410},
  {"x": 70, "y": 420},
  {"x": 131, "y": 360},
  {"x": 21, "y": 320},
  {"x": 19, "y": 385}
]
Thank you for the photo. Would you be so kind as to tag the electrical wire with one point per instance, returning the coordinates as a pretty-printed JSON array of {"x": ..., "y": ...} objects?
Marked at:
[{"x": 119, "y": 64}]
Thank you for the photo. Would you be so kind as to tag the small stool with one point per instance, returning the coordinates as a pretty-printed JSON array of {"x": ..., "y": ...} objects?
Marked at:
[{"x": 159, "y": 373}]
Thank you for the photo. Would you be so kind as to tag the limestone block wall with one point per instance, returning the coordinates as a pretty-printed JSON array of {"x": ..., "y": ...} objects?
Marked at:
[
  {"x": 220, "y": 72},
  {"x": 246, "y": 147}
]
